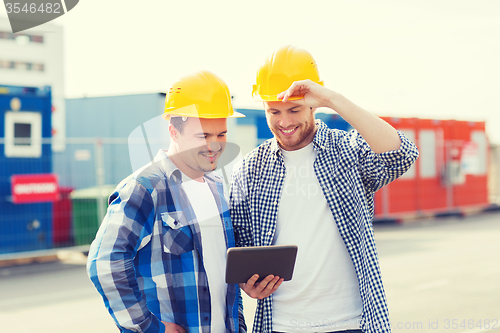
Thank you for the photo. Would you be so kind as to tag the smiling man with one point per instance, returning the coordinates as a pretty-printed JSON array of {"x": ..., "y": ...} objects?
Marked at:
[
  {"x": 159, "y": 257},
  {"x": 197, "y": 144},
  {"x": 313, "y": 186}
]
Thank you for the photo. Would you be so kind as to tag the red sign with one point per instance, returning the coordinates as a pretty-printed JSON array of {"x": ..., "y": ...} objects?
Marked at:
[{"x": 34, "y": 188}]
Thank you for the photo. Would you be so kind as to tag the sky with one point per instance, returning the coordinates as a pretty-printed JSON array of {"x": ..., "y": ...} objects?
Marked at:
[{"x": 426, "y": 59}]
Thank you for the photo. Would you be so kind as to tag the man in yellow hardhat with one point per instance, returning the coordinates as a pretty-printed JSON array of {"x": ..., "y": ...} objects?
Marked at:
[
  {"x": 159, "y": 257},
  {"x": 313, "y": 186}
]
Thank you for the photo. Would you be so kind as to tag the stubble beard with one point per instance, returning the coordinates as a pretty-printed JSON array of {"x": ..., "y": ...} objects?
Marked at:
[{"x": 304, "y": 131}]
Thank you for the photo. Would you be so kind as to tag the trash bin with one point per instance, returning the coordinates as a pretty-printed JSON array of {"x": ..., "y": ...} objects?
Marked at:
[
  {"x": 86, "y": 215},
  {"x": 61, "y": 223}
]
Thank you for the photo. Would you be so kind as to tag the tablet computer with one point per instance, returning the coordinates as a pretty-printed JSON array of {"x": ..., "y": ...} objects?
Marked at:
[{"x": 243, "y": 262}]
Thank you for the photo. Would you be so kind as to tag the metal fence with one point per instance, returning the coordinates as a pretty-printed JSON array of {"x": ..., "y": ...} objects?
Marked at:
[{"x": 87, "y": 172}]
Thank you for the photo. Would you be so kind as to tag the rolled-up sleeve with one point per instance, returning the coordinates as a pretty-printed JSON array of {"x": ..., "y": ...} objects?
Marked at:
[{"x": 379, "y": 170}]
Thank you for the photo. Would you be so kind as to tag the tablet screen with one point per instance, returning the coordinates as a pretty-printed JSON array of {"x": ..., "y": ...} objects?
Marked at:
[{"x": 243, "y": 262}]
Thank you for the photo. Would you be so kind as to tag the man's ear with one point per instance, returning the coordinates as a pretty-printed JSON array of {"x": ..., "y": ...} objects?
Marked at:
[{"x": 173, "y": 132}]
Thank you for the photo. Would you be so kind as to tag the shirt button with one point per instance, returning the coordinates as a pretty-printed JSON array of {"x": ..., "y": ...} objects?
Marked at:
[
  {"x": 276, "y": 203},
  {"x": 269, "y": 233},
  {"x": 205, "y": 289},
  {"x": 281, "y": 175},
  {"x": 206, "y": 318}
]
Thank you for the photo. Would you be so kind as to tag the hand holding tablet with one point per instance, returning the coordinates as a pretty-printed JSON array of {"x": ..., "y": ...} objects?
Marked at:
[
  {"x": 262, "y": 289},
  {"x": 260, "y": 270}
]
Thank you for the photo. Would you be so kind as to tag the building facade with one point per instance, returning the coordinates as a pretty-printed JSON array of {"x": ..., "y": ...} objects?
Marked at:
[{"x": 34, "y": 58}]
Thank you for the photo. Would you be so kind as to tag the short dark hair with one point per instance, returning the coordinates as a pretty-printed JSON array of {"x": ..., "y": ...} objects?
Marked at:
[{"x": 178, "y": 123}]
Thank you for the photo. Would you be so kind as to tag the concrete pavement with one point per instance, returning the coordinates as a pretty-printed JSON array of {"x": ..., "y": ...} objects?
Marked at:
[{"x": 440, "y": 275}]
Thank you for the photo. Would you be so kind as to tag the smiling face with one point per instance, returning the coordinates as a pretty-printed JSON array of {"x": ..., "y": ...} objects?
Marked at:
[
  {"x": 292, "y": 124},
  {"x": 198, "y": 146}
]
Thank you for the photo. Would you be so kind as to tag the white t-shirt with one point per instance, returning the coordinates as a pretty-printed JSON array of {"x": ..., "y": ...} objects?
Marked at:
[
  {"x": 214, "y": 247},
  {"x": 323, "y": 295}
]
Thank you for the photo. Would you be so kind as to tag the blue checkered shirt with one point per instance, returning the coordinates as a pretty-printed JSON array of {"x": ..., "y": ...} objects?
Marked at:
[
  {"x": 349, "y": 173},
  {"x": 146, "y": 260}
]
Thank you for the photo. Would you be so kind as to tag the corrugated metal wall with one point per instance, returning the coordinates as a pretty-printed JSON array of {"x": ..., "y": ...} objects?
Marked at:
[{"x": 102, "y": 122}]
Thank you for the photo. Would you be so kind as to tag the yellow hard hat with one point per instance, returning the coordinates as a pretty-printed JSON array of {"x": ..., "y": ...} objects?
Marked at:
[
  {"x": 285, "y": 66},
  {"x": 201, "y": 95}
]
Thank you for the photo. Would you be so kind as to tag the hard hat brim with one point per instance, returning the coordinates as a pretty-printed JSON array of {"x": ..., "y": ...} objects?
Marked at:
[
  {"x": 273, "y": 98},
  {"x": 235, "y": 114}
]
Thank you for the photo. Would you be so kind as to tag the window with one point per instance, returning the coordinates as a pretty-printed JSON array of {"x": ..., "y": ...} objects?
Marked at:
[
  {"x": 479, "y": 156},
  {"x": 410, "y": 134},
  {"x": 22, "y": 65},
  {"x": 24, "y": 38},
  {"x": 427, "y": 158},
  {"x": 23, "y": 134}
]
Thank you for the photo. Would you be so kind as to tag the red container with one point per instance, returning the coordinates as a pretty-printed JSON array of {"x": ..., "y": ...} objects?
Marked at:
[
  {"x": 450, "y": 174},
  {"x": 62, "y": 214}
]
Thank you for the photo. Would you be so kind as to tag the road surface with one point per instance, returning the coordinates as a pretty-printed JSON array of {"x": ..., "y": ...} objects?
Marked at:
[{"x": 441, "y": 275}]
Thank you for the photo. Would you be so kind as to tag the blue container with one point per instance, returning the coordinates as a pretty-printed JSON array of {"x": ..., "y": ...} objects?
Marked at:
[{"x": 24, "y": 227}]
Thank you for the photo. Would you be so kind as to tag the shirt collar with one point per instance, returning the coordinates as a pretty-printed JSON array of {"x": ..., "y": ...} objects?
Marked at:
[{"x": 171, "y": 171}]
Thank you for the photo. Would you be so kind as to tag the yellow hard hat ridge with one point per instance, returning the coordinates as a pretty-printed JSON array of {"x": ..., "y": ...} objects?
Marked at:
[
  {"x": 285, "y": 66},
  {"x": 201, "y": 95}
]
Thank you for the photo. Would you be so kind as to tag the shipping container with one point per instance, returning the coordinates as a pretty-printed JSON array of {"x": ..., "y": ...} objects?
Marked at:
[
  {"x": 27, "y": 185},
  {"x": 450, "y": 175}
]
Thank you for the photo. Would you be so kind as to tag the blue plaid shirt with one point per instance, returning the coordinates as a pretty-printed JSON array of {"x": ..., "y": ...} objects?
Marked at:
[
  {"x": 349, "y": 173},
  {"x": 146, "y": 260}
]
